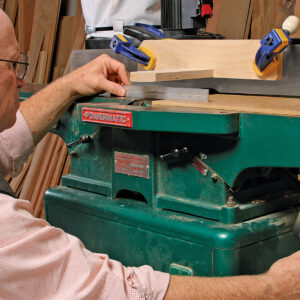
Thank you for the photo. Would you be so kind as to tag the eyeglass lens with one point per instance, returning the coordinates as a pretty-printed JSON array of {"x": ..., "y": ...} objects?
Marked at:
[{"x": 21, "y": 68}]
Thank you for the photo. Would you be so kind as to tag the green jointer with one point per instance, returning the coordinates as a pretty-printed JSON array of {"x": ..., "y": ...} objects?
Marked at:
[{"x": 187, "y": 191}]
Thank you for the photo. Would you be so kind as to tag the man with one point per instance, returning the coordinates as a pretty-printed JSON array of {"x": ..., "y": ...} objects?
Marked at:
[{"x": 38, "y": 261}]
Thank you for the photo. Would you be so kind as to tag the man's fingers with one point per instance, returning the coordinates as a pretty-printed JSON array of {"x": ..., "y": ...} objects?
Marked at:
[
  {"x": 113, "y": 88},
  {"x": 120, "y": 69}
]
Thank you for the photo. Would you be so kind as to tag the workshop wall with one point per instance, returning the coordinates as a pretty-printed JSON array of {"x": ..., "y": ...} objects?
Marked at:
[{"x": 48, "y": 30}]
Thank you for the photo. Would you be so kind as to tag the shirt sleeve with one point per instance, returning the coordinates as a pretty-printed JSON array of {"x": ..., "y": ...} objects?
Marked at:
[
  {"x": 39, "y": 261},
  {"x": 16, "y": 144}
]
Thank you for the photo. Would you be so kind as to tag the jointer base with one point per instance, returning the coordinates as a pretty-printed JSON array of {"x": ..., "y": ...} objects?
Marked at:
[{"x": 170, "y": 241}]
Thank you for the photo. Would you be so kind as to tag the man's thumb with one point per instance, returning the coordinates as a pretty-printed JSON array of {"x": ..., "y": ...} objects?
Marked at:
[{"x": 114, "y": 88}]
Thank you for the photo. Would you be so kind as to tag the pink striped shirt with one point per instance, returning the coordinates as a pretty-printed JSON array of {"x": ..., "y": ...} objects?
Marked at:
[{"x": 39, "y": 261}]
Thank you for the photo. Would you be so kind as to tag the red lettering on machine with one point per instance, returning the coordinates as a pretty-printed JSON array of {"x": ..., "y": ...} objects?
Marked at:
[{"x": 106, "y": 116}]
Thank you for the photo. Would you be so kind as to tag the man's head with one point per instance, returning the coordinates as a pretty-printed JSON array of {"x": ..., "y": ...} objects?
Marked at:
[{"x": 9, "y": 50}]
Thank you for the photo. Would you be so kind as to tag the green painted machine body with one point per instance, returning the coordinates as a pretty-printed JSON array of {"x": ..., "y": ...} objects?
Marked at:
[{"x": 187, "y": 191}]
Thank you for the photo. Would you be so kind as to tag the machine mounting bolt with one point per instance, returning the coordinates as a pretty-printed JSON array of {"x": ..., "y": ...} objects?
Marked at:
[
  {"x": 214, "y": 178},
  {"x": 230, "y": 202}
]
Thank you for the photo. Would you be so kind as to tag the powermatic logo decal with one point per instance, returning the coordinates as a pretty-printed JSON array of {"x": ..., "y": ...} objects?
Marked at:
[{"x": 106, "y": 116}]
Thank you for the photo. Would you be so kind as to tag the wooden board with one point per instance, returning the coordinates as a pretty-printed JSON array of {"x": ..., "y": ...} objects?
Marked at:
[
  {"x": 10, "y": 9},
  {"x": 269, "y": 14},
  {"x": 228, "y": 58},
  {"x": 32, "y": 175},
  {"x": 241, "y": 103},
  {"x": 33, "y": 54},
  {"x": 45, "y": 20},
  {"x": 25, "y": 12},
  {"x": 16, "y": 181},
  {"x": 40, "y": 70},
  {"x": 64, "y": 41},
  {"x": 249, "y": 19},
  {"x": 297, "y": 14},
  {"x": 168, "y": 75},
  {"x": 230, "y": 18}
]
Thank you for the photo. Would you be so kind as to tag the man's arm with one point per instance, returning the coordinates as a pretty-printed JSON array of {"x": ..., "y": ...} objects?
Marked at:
[
  {"x": 43, "y": 110},
  {"x": 282, "y": 281}
]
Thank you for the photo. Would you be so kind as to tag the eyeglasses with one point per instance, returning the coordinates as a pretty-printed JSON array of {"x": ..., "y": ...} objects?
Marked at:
[{"x": 20, "y": 66}]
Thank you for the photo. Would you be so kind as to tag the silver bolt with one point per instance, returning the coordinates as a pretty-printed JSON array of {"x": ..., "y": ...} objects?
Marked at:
[
  {"x": 214, "y": 177},
  {"x": 231, "y": 202}
]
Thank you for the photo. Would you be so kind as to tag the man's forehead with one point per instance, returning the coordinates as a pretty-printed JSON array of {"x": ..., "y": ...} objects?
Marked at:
[{"x": 8, "y": 42}]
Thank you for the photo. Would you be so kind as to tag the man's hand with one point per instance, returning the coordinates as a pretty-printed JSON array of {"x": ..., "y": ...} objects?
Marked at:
[
  {"x": 282, "y": 281},
  {"x": 284, "y": 276},
  {"x": 43, "y": 109},
  {"x": 101, "y": 74}
]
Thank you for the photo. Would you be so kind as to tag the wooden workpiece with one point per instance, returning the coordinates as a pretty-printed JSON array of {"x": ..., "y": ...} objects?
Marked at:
[
  {"x": 241, "y": 103},
  {"x": 168, "y": 75},
  {"x": 201, "y": 59}
]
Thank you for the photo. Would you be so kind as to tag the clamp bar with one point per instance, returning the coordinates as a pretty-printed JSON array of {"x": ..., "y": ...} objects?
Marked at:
[{"x": 266, "y": 59}]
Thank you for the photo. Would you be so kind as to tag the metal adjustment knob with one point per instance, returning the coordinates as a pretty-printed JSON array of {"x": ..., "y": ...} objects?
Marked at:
[
  {"x": 174, "y": 154},
  {"x": 82, "y": 140}
]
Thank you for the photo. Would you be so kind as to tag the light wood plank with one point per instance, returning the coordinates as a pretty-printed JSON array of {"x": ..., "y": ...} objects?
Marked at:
[
  {"x": 33, "y": 54},
  {"x": 47, "y": 169},
  {"x": 228, "y": 58},
  {"x": 64, "y": 41},
  {"x": 41, "y": 67},
  {"x": 79, "y": 41},
  {"x": 45, "y": 20},
  {"x": 25, "y": 12},
  {"x": 33, "y": 171},
  {"x": 241, "y": 103},
  {"x": 16, "y": 181},
  {"x": 63, "y": 152},
  {"x": 169, "y": 75}
]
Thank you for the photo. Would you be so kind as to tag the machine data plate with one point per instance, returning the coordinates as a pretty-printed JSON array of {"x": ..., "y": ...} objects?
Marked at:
[
  {"x": 131, "y": 164},
  {"x": 106, "y": 116}
]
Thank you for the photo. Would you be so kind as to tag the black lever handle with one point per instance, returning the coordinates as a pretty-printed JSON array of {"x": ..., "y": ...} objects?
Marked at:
[
  {"x": 82, "y": 140},
  {"x": 174, "y": 154}
]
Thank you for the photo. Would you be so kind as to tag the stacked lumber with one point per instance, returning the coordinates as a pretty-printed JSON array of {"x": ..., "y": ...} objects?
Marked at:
[
  {"x": 48, "y": 38},
  {"x": 44, "y": 169}
]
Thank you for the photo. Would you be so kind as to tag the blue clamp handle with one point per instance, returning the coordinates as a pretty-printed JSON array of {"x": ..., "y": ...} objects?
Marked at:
[
  {"x": 151, "y": 29},
  {"x": 121, "y": 45},
  {"x": 271, "y": 45}
]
